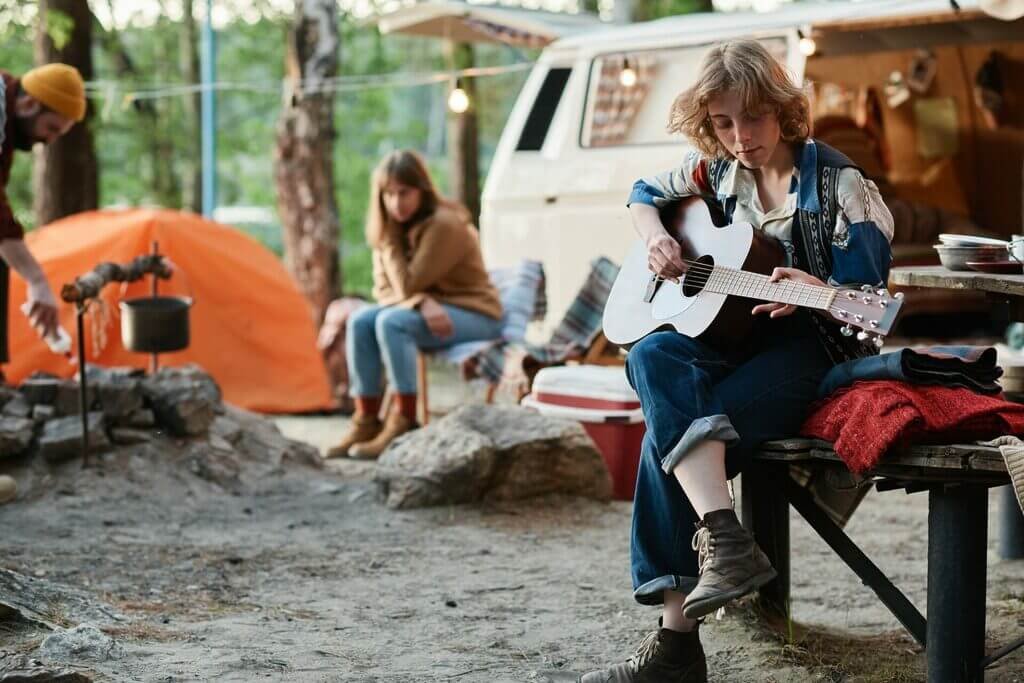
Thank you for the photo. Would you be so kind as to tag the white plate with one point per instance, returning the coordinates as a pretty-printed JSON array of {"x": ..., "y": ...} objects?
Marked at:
[{"x": 970, "y": 241}]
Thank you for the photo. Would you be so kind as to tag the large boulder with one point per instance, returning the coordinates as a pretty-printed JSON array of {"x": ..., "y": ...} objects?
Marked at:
[{"x": 491, "y": 452}]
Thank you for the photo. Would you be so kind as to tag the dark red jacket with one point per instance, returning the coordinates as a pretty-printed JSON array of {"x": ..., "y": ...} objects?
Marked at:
[{"x": 9, "y": 226}]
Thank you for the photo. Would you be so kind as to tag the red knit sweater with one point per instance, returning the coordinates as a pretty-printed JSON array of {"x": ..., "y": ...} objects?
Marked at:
[{"x": 867, "y": 419}]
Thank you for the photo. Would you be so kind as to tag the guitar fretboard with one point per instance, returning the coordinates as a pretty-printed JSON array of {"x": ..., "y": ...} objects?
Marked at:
[{"x": 724, "y": 280}]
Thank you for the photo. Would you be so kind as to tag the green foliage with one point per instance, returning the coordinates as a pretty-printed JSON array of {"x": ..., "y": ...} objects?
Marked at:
[
  {"x": 16, "y": 58},
  {"x": 59, "y": 26}
]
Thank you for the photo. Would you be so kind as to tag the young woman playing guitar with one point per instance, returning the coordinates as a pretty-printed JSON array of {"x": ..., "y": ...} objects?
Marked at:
[{"x": 707, "y": 408}]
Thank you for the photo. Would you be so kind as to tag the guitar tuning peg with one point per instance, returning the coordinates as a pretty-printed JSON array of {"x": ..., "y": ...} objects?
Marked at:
[
  {"x": 846, "y": 330},
  {"x": 866, "y": 288},
  {"x": 862, "y": 336},
  {"x": 898, "y": 295},
  {"x": 878, "y": 341},
  {"x": 882, "y": 292}
]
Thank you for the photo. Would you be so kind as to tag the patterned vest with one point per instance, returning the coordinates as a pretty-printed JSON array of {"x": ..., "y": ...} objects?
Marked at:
[{"x": 815, "y": 230}]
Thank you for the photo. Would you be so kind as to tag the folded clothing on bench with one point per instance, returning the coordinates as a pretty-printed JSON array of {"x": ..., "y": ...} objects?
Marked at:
[
  {"x": 971, "y": 367},
  {"x": 866, "y": 420}
]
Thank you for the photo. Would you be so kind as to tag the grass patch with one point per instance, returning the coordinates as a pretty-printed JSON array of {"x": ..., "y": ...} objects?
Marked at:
[
  {"x": 141, "y": 631},
  {"x": 888, "y": 657}
]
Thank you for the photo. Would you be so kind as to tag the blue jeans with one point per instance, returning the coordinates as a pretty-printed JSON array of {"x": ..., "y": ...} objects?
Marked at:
[
  {"x": 689, "y": 393},
  {"x": 383, "y": 338}
]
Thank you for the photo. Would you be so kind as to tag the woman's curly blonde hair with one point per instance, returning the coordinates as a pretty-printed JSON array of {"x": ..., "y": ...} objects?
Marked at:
[{"x": 746, "y": 67}]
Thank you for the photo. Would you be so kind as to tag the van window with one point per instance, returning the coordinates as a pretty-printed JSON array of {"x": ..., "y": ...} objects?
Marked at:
[
  {"x": 544, "y": 106},
  {"x": 630, "y": 93}
]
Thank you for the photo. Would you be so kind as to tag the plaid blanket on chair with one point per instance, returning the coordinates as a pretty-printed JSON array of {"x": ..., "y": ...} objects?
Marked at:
[
  {"x": 572, "y": 336},
  {"x": 523, "y": 299}
]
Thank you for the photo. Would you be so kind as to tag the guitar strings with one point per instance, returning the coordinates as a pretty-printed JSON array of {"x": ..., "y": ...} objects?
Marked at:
[
  {"x": 803, "y": 292},
  {"x": 747, "y": 279}
]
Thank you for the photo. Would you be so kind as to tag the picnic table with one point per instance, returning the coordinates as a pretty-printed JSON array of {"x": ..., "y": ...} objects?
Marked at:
[
  {"x": 1006, "y": 292},
  {"x": 957, "y": 478}
]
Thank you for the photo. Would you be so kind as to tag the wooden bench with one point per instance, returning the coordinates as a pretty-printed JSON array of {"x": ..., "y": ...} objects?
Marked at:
[{"x": 957, "y": 479}]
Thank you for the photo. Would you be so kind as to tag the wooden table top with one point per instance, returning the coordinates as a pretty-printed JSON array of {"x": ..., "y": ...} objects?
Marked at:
[
  {"x": 953, "y": 460},
  {"x": 942, "y": 277}
]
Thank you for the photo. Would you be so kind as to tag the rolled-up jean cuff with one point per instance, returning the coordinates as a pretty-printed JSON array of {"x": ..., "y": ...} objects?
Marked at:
[
  {"x": 651, "y": 593},
  {"x": 712, "y": 427}
]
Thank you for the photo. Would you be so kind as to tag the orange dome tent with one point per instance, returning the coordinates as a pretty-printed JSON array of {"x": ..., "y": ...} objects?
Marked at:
[{"x": 250, "y": 327}]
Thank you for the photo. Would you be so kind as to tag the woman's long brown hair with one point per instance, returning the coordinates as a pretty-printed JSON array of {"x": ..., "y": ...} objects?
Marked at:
[{"x": 408, "y": 168}]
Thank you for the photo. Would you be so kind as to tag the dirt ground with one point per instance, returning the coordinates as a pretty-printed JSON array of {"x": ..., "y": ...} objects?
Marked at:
[{"x": 308, "y": 577}]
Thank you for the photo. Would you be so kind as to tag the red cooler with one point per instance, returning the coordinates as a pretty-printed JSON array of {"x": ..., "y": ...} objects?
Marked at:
[{"x": 600, "y": 398}]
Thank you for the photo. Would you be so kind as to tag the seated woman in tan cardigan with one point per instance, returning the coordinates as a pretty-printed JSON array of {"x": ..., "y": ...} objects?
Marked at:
[{"x": 431, "y": 290}]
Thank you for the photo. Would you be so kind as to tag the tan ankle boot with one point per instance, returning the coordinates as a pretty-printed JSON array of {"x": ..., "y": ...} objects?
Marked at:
[
  {"x": 363, "y": 428},
  {"x": 396, "y": 425}
]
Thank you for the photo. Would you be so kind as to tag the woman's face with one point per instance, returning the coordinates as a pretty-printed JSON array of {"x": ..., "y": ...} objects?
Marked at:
[
  {"x": 751, "y": 137},
  {"x": 400, "y": 201}
]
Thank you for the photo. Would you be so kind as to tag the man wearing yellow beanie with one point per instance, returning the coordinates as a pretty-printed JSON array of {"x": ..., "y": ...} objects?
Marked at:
[{"x": 37, "y": 108}]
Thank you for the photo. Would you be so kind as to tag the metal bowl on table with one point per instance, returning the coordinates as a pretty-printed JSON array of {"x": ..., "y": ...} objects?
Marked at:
[{"x": 956, "y": 257}]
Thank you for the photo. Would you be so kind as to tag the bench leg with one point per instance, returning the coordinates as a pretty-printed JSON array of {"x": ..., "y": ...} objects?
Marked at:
[
  {"x": 1011, "y": 525},
  {"x": 765, "y": 513},
  {"x": 957, "y": 543}
]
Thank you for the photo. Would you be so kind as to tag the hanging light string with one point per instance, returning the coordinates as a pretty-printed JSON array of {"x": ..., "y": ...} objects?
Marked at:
[{"x": 112, "y": 89}]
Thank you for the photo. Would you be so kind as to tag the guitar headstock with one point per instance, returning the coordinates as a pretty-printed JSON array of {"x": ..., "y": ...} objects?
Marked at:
[{"x": 872, "y": 310}]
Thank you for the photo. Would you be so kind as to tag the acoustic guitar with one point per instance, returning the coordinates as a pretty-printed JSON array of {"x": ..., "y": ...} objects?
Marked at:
[{"x": 728, "y": 266}]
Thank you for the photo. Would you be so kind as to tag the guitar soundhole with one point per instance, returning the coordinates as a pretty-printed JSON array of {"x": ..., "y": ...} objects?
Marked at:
[{"x": 697, "y": 275}]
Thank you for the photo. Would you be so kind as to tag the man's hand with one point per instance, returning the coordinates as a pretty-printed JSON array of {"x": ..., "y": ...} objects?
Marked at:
[
  {"x": 777, "y": 310},
  {"x": 42, "y": 308},
  {"x": 665, "y": 257},
  {"x": 438, "y": 321}
]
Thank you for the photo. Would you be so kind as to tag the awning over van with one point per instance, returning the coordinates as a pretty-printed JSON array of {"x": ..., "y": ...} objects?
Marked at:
[
  {"x": 879, "y": 34},
  {"x": 465, "y": 23}
]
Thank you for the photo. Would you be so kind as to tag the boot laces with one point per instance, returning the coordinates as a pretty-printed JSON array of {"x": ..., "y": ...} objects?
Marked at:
[
  {"x": 645, "y": 651},
  {"x": 702, "y": 544}
]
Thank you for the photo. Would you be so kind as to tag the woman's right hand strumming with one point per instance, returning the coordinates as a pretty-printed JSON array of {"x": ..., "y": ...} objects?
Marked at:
[{"x": 665, "y": 256}]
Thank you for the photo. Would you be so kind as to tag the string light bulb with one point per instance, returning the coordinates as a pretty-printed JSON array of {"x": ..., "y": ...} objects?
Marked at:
[
  {"x": 458, "y": 99},
  {"x": 627, "y": 77},
  {"x": 807, "y": 45}
]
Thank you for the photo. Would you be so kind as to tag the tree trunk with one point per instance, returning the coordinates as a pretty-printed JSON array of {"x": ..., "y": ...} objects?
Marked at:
[
  {"x": 463, "y": 139},
  {"x": 65, "y": 176},
  {"x": 189, "y": 64},
  {"x": 304, "y": 153}
]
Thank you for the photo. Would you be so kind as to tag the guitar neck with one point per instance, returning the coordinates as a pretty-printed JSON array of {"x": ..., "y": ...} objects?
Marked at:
[{"x": 735, "y": 282}]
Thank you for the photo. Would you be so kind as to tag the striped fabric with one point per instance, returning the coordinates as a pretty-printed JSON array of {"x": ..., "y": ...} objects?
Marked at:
[
  {"x": 507, "y": 34},
  {"x": 523, "y": 299},
  {"x": 573, "y": 335}
]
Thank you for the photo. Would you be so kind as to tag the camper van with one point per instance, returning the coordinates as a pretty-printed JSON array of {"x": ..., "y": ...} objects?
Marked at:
[{"x": 926, "y": 98}]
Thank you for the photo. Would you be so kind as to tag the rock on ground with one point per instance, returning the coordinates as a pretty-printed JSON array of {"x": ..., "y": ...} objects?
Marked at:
[
  {"x": 491, "y": 452},
  {"x": 185, "y": 399},
  {"x": 84, "y": 642}
]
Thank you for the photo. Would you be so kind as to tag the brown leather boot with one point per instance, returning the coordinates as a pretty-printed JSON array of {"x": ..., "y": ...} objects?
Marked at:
[
  {"x": 664, "y": 656},
  {"x": 731, "y": 564},
  {"x": 395, "y": 425},
  {"x": 362, "y": 428}
]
